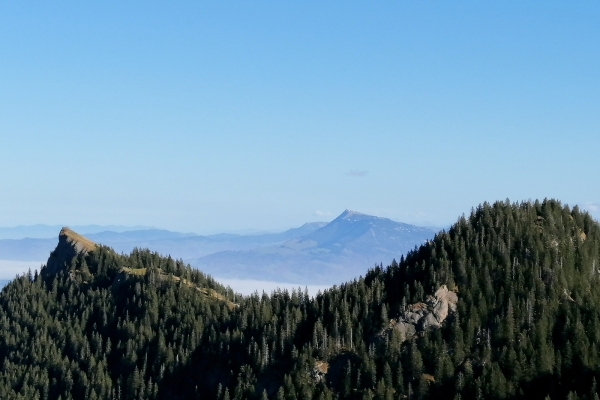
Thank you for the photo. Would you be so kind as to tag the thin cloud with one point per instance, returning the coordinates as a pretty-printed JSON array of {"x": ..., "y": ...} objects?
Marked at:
[
  {"x": 592, "y": 207},
  {"x": 357, "y": 173},
  {"x": 320, "y": 213}
]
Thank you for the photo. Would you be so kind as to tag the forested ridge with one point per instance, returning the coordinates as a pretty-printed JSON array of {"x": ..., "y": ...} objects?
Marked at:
[{"x": 526, "y": 323}]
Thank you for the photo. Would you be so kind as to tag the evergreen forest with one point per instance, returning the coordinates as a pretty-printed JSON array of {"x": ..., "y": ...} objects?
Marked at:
[{"x": 524, "y": 323}]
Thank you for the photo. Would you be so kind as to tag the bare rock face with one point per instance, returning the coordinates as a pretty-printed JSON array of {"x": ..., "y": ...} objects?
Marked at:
[
  {"x": 70, "y": 244},
  {"x": 428, "y": 322},
  {"x": 407, "y": 330},
  {"x": 443, "y": 301},
  {"x": 426, "y": 316},
  {"x": 440, "y": 310},
  {"x": 415, "y": 312}
]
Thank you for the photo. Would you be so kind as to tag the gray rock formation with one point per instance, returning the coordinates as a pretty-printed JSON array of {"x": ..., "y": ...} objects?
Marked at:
[
  {"x": 443, "y": 300},
  {"x": 426, "y": 316},
  {"x": 428, "y": 322},
  {"x": 406, "y": 329}
]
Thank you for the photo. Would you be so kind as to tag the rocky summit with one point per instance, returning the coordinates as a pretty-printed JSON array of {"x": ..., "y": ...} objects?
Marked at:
[{"x": 70, "y": 245}]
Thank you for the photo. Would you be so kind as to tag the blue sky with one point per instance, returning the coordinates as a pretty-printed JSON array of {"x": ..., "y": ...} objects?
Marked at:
[{"x": 223, "y": 116}]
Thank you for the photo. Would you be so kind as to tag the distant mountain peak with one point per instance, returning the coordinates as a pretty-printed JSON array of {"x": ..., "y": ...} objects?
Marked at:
[{"x": 350, "y": 213}]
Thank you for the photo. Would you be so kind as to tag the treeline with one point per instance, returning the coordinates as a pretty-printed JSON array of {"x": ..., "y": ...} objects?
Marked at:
[{"x": 142, "y": 326}]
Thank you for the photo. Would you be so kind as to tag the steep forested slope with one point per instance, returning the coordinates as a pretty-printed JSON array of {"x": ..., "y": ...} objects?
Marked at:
[{"x": 518, "y": 317}]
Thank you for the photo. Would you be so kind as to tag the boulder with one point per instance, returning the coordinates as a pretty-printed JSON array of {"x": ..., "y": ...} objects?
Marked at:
[
  {"x": 412, "y": 317},
  {"x": 443, "y": 301},
  {"x": 428, "y": 322},
  {"x": 440, "y": 311},
  {"x": 407, "y": 330}
]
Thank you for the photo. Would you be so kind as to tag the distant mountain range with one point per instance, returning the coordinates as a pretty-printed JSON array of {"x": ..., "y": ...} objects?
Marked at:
[
  {"x": 340, "y": 250},
  {"x": 315, "y": 253},
  {"x": 41, "y": 231},
  {"x": 179, "y": 245}
]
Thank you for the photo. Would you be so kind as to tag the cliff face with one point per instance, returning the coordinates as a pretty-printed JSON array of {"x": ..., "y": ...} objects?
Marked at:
[{"x": 69, "y": 245}]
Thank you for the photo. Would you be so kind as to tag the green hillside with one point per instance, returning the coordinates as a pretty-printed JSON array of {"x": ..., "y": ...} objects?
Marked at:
[{"x": 505, "y": 304}]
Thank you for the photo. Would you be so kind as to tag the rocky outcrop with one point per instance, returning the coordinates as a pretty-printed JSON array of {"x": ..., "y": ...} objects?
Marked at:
[
  {"x": 319, "y": 371},
  {"x": 426, "y": 316},
  {"x": 443, "y": 300},
  {"x": 406, "y": 329},
  {"x": 70, "y": 244}
]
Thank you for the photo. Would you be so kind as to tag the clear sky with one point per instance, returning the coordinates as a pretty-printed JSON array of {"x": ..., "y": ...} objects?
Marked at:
[{"x": 225, "y": 115}]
